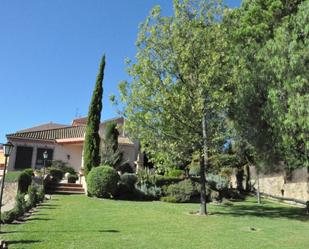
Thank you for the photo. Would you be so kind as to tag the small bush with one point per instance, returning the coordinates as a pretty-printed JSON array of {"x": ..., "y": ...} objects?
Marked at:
[
  {"x": 171, "y": 199},
  {"x": 102, "y": 181},
  {"x": 56, "y": 174},
  {"x": 29, "y": 171},
  {"x": 194, "y": 170},
  {"x": 32, "y": 196},
  {"x": 177, "y": 173},
  {"x": 217, "y": 182},
  {"x": 166, "y": 180},
  {"x": 72, "y": 178},
  {"x": 181, "y": 191},
  {"x": 125, "y": 168},
  {"x": 129, "y": 180},
  {"x": 40, "y": 194},
  {"x": 9, "y": 216},
  {"x": 24, "y": 181},
  {"x": 149, "y": 191},
  {"x": 20, "y": 204}
]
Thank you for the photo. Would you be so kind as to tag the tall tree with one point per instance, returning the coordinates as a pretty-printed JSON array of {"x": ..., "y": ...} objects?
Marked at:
[
  {"x": 92, "y": 137},
  {"x": 110, "y": 153},
  {"x": 177, "y": 99},
  {"x": 271, "y": 75}
]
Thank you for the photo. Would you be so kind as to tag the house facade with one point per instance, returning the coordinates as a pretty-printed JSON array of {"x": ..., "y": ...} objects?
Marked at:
[{"x": 62, "y": 142}]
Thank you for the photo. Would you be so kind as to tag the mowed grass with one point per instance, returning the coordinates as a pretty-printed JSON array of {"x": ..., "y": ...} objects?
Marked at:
[{"x": 81, "y": 222}]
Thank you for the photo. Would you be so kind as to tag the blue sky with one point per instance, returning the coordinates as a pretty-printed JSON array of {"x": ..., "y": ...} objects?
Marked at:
[{"x": 50, "y": 52}]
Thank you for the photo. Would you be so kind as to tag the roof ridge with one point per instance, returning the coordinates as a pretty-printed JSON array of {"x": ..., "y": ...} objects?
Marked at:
[{"x": 60, "y": 128}]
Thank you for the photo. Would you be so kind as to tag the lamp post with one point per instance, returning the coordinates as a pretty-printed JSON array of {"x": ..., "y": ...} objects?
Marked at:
[{"x": 7, "y": 149}]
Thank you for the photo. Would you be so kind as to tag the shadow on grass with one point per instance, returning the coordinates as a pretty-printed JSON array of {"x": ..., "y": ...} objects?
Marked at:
[
  {"x": 265, "y": 211},
  {"x": 23, "y": 241},
  {"x": 66, "y": 231},
  {"x": 38, "y": 218}
]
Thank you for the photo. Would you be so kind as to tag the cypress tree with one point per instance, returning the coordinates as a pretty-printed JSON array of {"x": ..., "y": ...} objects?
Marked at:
[
  {"x": 92, "y": 137},
  {"x": 111, "y": 154}
]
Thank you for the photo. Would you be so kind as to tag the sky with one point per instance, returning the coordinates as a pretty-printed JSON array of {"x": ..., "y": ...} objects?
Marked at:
[{"x": 50, "y": 53}]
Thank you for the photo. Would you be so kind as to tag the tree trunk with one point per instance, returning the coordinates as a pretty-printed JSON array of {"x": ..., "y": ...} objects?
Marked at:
[
  {"x": 258, "y": 189},
  {"x": 203, "y": 167}
]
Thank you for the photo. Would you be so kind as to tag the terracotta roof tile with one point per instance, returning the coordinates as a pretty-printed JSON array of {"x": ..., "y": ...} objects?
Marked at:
[{"x": 52, "y": 134}]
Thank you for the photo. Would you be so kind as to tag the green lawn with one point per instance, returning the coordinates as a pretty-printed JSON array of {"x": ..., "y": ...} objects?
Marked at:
[{"x": 80, "y": 222}]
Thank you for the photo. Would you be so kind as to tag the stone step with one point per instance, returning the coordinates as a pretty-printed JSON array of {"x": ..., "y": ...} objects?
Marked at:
[
  {"x": 68, "y": 185},
  {"x": 67, "y": 192},
  {"x": 65, "y": 188}
]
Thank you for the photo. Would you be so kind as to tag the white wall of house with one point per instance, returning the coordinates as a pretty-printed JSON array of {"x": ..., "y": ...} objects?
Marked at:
[{"x": 69, "y": 153}]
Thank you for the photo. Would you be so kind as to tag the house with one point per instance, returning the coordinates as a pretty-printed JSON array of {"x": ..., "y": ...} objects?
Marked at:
[{"x": 62, "y": 142}]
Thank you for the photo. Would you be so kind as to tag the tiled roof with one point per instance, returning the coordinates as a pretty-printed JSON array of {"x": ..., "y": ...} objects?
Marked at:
[
  {"x": 42, "y": 127},
  {"x": 52, "y": 134}
]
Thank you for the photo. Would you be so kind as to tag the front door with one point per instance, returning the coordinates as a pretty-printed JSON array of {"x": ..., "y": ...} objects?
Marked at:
[{"x": 23, "y": 157}]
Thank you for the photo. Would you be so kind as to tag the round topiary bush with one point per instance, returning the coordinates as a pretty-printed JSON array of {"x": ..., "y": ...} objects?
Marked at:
[{"x": 102, "y": 181}]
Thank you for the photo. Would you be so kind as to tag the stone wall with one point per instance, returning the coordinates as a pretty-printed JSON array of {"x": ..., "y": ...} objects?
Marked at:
[
  {"x": 9, "y": 194},
  {"x": 296, "y": 186}
]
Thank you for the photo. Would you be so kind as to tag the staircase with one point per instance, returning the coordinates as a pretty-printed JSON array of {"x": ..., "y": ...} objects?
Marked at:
[{"x": 64, "y": 188}]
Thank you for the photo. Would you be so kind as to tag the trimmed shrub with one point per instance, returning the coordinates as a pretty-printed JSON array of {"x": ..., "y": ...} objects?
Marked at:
[
  {"x": 9, "y": 216},
  {"x": 166, "y": 180},
  {"x": 125, "y": 168},
  {"x": 72, "y": 178},
  {"x": 56, "y": 174},
  {"x": 29, "y": 171},
  {"x": 217, "y": 182},
  {"x": 181, "y": 191},
  {"x": 24, "y": 181},
  {"x": 20, "y": 204},
  {"x": 102, "y": 181},
  {"x": 149, "y": 191},
  {"x": 64, "y": 167},
  {"x": 32, "y": 196},
  {"x": 129, "y": 180},
  {"x": 40, "y": 194}
]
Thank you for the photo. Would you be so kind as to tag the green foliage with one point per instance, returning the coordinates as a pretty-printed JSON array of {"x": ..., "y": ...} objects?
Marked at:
[
  {"x": 125, "y": 168},
  {"x": 63, "y": 166},
  {"x": 32, "y": 196},
  {"x": 40, "y": 194},
  {"x": 217, "y": 182},
  {"x": 56, "y": 174},
  {"x": 176, "y": 173},
  {"x": 29, "y": 171},
  {"x": 171, "y": 199},
  {"x": 149, "y": 191},
  {"x": 271, "y": 74},
  {"x": 126, "y": 187},
  {"x": 182, "y": 191},
  {"x": 24, "y": 181},
  {"x": 92, "y": 137},
  {"x": 129, "y": 180},
  {"x": 102, "y": 181},
  {"x": 72, "y": 178},
  {"x": 20, "y": 204},
  {"x": 175, "y": 83},
  {"x": 166, "y": 180},
  {"x": 8, "y": 216},
  {"x": 110, "y": 153},
  {"x": 12, "y": 176}
]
